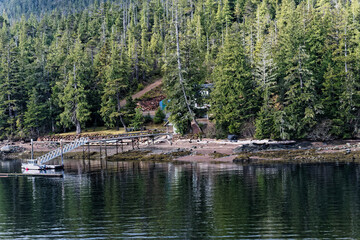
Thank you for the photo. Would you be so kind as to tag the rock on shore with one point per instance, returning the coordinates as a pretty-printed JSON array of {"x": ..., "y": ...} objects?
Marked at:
[{"x": 272, "y": 146}]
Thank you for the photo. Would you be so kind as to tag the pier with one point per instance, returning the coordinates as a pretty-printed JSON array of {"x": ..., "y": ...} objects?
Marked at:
[
  {"x": 58, "y": 175},
  {"x": 119, "y": 142}
]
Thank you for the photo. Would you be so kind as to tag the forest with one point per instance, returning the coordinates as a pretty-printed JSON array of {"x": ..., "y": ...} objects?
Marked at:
[{"x": 281, "y": 69}]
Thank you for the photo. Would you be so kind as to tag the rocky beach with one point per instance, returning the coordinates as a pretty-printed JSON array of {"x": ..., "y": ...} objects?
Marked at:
[{"x": 245, "y": 151}]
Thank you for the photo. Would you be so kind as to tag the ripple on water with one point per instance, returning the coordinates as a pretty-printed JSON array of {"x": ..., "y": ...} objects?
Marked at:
[{"x": 198, "y": 201}]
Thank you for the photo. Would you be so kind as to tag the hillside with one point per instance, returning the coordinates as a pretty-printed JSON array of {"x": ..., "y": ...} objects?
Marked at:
[
  {"x": 15, "y": 9},
  {"x": 284, "y": 70}
]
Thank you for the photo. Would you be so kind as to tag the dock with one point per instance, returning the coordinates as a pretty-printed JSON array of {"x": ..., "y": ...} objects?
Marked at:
[
  {"x": 57, "y": 175},
  {"x": 119, "y": 141}
]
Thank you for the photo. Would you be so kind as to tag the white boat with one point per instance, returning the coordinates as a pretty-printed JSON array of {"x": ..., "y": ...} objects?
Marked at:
[{"x": 32, "y": 165}]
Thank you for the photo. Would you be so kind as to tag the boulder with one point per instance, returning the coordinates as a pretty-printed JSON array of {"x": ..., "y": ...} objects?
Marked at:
[
  {"x": 11, "y": 149},
  {"x": 7, "y": 149},
  {"x": 276, "y": 146}
]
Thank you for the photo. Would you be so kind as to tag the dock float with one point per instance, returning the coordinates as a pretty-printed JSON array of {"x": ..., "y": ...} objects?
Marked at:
[{"x": 59, "y": 175}]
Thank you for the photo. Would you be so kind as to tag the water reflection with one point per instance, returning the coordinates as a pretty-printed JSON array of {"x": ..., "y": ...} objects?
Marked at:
[{"x": 164, "y": 200}]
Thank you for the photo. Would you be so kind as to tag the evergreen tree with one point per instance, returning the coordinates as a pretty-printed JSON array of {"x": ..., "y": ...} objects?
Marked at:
[
  {"x": 116, "y": 85},
  {"x": 74, "y": 98},
  {"x": 233, "y": 100},
  {"x": 265, "y": 77},
  {"x": 159, "y": 116},
  {"x": 138, "y": 120}
]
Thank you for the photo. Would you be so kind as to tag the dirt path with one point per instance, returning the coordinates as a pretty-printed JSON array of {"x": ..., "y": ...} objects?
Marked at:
[{"x": 144, "y": 91}]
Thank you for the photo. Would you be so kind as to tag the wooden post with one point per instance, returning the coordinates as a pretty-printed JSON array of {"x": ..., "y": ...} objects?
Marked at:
[
  {"x": 89, "y": 156},
  {"x": 100, "y": 155},
  {"x": 88, "y": 151},
  {"x": 32, "y": 149},
  {"x": 105, "y": 151},
  {"x": 132, "y": 143},
  {"x": 62, "y": 152},
  {"x": 100, "y": 149},
  {"x": 83, "y": 147},
  {"x": 83, "y": 156},
  {"x": 106, "y": 162},
  {"x": 117, "y": 147},
  {"x": 122, "y": 146}
]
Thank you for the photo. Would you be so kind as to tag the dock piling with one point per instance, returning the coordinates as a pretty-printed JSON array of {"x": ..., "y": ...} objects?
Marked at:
[
  {"x": 32, "y": 149},
  {"x": 62, "y": 152}
]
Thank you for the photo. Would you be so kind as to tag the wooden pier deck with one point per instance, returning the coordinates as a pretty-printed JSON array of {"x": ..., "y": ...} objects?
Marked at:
[{"x": 58, "y": 175}]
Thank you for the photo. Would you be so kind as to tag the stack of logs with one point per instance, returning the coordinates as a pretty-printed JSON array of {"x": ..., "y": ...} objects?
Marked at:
[{"x": 151, "y": 104}]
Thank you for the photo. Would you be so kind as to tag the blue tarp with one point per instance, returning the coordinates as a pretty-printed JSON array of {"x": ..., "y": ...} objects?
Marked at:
[{"x": 162, "y": 104}]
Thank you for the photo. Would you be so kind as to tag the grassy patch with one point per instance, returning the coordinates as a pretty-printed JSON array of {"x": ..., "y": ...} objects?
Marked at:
[
  {"x": 298, "y": 156},
  {"x": 156, "y": 92},
  {"x": 95, "y": 131},
  {"x": 145, "y": 156},
  {"x": 103, "y": 131},
  {"x": 218, "y": 155},
  {"x": 129, "y": 156}
]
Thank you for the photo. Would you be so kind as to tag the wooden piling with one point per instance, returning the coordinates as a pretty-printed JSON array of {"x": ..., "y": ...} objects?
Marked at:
[
  {"x": 62, "y": 152},
  {"x": 105, "y": 150},
  {"x": 88, "y": 151},
  {"x": 101, "y": 165},
  {"x": 100, "y": 149},
  {"x": 32, "y": 149}
]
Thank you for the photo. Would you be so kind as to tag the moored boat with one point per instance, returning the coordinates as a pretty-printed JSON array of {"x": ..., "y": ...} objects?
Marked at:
[{"x": 32, "y": 165}]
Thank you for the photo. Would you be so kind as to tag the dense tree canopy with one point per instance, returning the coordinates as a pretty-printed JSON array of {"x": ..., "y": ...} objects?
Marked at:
[{"x": 280, "y": 69}]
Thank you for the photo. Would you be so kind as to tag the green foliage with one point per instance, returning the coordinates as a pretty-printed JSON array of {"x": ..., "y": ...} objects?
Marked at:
[
  {"x": 148, "y": 118},
  {"x": 265, "y": 124},
  {"x": 129, "y": 110},
  {"x": 233, "y": 99},
  {"x": 159, "y": 116},
  {"x": 286, "y": 67},
  {"x": 116, "y": 80},
  {"x": 74, "y": 98},
  {"x": 36, "y": 115},
  {"x": 138, "y": 120}
]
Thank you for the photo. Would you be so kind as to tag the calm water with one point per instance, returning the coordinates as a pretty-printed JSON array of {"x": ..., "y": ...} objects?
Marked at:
[{"x": 190, "y": 201}]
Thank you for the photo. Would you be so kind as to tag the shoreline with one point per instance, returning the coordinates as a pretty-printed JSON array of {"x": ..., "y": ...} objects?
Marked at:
[{"x": 245, "y": 151}]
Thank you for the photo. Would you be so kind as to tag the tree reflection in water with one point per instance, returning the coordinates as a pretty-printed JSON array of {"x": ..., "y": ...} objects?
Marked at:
[{"x": 160, "y": 200}]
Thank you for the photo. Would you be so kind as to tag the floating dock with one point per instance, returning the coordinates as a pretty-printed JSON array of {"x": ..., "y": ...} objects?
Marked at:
[{"x": 58, "y": 175}]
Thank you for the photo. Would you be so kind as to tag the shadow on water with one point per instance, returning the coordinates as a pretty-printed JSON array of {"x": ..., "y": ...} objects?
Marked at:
[{"x": 100, "y": 199}]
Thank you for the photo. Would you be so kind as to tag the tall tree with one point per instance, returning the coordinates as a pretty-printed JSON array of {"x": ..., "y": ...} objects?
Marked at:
[
  {"x": 233, "y": 100},
  {"x": 74, "y": 100},
  {"x": 117, "y": 75}
]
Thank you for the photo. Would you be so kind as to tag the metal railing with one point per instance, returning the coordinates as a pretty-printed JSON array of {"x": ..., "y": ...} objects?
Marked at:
[{"x": 61, "y": 150}]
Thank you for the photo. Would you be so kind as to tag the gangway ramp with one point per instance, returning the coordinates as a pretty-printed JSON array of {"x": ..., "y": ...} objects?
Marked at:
[{"x": 61, "y": 150}]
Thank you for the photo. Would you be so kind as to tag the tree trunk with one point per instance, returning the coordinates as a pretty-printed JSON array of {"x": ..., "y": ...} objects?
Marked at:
[
  {"x": 78, "y": 127},
  {"x": 180, "y": 71},
  {"x": 120, "y": 117}
]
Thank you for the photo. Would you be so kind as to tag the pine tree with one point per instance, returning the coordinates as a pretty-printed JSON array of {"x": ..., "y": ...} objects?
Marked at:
[
  {"x": 138, "y": 120},
  {"x": 116, "y": 85},
  {"x": 233, "y": 100},
  {"x": 74, "y": 98},
  {"x": 265, "y": 77},
  {"x": 36, "y": 115},
  {"x": 159, "y": 116}
]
